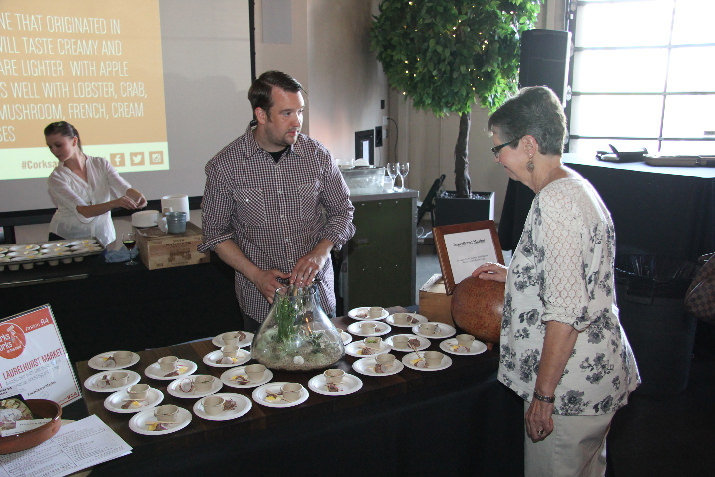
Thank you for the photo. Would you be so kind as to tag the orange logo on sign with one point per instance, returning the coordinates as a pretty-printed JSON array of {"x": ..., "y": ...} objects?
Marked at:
[
  {"x": 117, "y": 159},
  {"x": 12, "y": 341},
  {"x": 136, "y": 159},
  {"x": 156, "y": 158}
]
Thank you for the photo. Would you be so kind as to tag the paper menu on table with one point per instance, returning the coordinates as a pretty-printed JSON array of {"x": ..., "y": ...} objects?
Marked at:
[
  {"x": 77, "y": 445},
  {"x": 33, "y": 359}
]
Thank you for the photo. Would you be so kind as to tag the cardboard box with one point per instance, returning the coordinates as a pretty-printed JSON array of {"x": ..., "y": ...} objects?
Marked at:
[
  {"x": 160, "y": 250},
  {"x": 434, "y": 303}
]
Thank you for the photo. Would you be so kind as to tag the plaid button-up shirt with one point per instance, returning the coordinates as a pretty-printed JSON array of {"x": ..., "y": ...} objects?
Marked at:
[{"x": 275, "y": 211}]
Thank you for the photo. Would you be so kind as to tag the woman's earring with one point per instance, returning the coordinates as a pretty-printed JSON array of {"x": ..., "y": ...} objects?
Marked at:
[{"x": 530, "y": 164}]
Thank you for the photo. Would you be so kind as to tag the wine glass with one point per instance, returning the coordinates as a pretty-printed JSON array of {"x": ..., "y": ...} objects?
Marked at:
[
  {"x": 392, "y": 171},
  {"x": 130, "y": 241},
  {"x": 404, "y": 169}
]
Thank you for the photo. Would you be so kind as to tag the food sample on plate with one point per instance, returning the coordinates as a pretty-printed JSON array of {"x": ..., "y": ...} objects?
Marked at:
[
  {"x": 240, "y": 379},
  {"x": 229, "y": 405},
  {"x": 13, "y": 409},
  {"x": 333, "y": 387},
  {"x": 180, "y": 369},
  {"x": 131, "y": 404},
  {"x": 157, "y": 426}
]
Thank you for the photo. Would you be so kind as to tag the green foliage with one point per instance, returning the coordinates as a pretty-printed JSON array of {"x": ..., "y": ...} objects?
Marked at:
[
  {"x": 286, "y": 314},
  {"x": 446, "y": 54}
]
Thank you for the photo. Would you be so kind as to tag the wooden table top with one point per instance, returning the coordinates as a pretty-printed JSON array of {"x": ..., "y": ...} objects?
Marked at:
[{"x": 260, "y": 417}]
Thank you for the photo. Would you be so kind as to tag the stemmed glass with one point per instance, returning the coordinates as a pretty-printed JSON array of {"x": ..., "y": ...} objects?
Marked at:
[
  {"x": 392, "y": 171},
  {"x": 130, "y": 241},
  {"x": 404, "y": 169}
]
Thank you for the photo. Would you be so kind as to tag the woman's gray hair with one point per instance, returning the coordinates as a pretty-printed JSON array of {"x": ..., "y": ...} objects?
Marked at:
[{"x": 536, "y": 111}]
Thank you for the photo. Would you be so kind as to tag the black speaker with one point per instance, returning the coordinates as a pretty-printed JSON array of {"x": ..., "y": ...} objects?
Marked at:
[{"x": 545, "y": 60}]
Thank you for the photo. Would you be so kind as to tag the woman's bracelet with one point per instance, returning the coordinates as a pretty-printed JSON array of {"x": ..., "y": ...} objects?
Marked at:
[{"x": 546, "y": 399}]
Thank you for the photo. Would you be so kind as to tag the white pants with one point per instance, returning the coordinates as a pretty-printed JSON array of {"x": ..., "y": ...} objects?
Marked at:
[{"x": 576, "y": 448}]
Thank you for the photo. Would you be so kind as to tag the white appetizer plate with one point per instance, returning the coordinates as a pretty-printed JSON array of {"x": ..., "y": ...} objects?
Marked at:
[
  {"x": 99, "y": 362},
  {"x": 450, "y": 346},
  {"x": 229, "y": 378},
  {"x": 416, "y": 320},
  {"x": 409, "y": 358},
  {"x": 174, "y": 389},
  {"x": 218, "y": 339},
  {"x": 243, "y": 405},
  {"x": 381, "y": 328},
  {"x": 366, "y": 366},
  {"x": 185, "y": 368},
  {"x": 259, "y": 395},
  {"x": 424, "y": 343},
  {"x": 347, "y": 337},
  {"x": 139, "y": 423},
  {"x": 349, "y": 385},
  {"x": 356, "y": 349},
  {"x": 211, "y": 359},
  {"x": 443, "y": 331},
  {"x": 94, "y": 382},
  {"x": 361, "y": 313},
  {"x": 115, "y": 401}
]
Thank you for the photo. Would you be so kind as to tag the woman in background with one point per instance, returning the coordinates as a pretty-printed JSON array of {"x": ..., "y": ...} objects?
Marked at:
[
  {"x": 84, "y": 189},
  {"x": 562, "y": 348}
]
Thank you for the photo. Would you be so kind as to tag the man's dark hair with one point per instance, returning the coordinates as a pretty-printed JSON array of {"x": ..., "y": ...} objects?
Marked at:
[{"x": 259, "y": 94}]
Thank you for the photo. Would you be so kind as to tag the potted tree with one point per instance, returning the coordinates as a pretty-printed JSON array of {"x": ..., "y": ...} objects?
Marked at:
[{"x": 447, "y": 55}]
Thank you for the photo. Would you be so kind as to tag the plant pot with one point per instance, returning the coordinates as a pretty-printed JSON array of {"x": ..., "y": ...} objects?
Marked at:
[{"x": 450, "y": 209}]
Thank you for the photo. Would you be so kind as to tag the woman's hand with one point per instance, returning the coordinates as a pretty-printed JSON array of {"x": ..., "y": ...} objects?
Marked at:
[
  {"x": 491, "y": 271},
  {"x": 538, "y": 420},
  {"x": 126, "y": 202}
]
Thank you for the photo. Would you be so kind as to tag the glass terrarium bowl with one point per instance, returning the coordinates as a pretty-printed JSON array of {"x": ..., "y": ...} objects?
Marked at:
[{"x": 297, "y": 335}]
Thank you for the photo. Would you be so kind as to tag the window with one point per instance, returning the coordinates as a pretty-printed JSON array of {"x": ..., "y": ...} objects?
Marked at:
[{"x": 643, "y": 76}]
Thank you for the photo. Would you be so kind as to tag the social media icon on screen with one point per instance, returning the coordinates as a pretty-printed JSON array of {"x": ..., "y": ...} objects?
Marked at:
[
  {"x": 117, "y": 159},
  {"x": 156, "y": 158},
  {"x": 137, "y": 159}
]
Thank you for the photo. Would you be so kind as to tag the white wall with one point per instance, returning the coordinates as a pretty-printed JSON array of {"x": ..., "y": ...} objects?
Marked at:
[{"x": 329, "y": 54}]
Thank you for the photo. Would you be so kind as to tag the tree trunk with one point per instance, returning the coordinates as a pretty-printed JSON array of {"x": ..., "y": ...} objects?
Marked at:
[{"x": 461, "y": 157}]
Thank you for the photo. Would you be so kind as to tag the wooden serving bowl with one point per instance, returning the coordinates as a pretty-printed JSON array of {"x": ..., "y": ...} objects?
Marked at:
[
  {"x": 43, "y": 409},
  {"x": 477, "y": 307}
]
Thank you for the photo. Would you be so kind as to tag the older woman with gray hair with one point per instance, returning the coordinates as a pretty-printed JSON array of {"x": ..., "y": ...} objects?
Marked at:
[{"x": 562, "y": 347}]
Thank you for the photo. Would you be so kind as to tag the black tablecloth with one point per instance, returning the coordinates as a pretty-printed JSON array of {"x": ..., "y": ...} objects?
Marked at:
[{"x": 656, "y": 210}]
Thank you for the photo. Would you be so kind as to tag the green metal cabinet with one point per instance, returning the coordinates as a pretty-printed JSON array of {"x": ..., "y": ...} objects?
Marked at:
[{"x": 378, "y": 266}]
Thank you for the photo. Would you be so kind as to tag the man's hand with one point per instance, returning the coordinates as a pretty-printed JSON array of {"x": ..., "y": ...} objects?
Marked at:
[
  {"x": 267, "y": 282},
  {"x": 310, "y": 264}
]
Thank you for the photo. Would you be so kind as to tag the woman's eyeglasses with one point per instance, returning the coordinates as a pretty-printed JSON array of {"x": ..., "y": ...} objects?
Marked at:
[{"x": 498, "y": 148}]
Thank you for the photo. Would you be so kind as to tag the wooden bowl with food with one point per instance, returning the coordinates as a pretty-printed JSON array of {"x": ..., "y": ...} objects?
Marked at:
[{"x": 42, "y": 409}]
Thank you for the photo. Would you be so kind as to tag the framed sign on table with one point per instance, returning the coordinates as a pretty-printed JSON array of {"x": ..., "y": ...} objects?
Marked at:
[{"x": 461, "y": 248}]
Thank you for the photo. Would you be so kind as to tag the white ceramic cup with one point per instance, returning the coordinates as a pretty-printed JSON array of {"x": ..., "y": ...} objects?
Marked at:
[
  {"x": 401, "y": 318},
  {"x": 138, "y": 392},
  {"x": 122, "y": 358},
  {"x": 118, "y": 379},
  {"x": 203, "y": 383},
  {"x": 230, "y": 351},
  {"x": 373, "y": 342},
  {"x": 374, "y": 312},
  {"x": 334, "y": 376},
  {"x": 428, "y": 328},
  {"x": 168, "y": 363},
  {"x": 400, "y": 342},
  {"x": 433, "y": 359},
  {"x": 213, "y": 405},
  {"x": 368, "y": 328},
  {"x": 386, "y": 361},
  {"x": 255, "y": 372},
  {"x": 291, "y": 391},
  {"x": 230, "y": 338},
  {"x": 167, "y": 413},
  {"x": 465, "y": 340}
]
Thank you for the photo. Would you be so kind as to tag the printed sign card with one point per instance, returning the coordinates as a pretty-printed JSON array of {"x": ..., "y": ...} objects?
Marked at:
[
  {"x": 461, "y": 248},
  {"x": 33, "y": 359}
]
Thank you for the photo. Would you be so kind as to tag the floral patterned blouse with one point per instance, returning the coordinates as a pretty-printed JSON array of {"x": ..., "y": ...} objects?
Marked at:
[{"x": 562, "y": 270}]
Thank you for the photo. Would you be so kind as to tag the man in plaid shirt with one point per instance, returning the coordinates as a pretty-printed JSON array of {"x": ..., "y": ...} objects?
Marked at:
[{"x": 275, "y": 203}]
